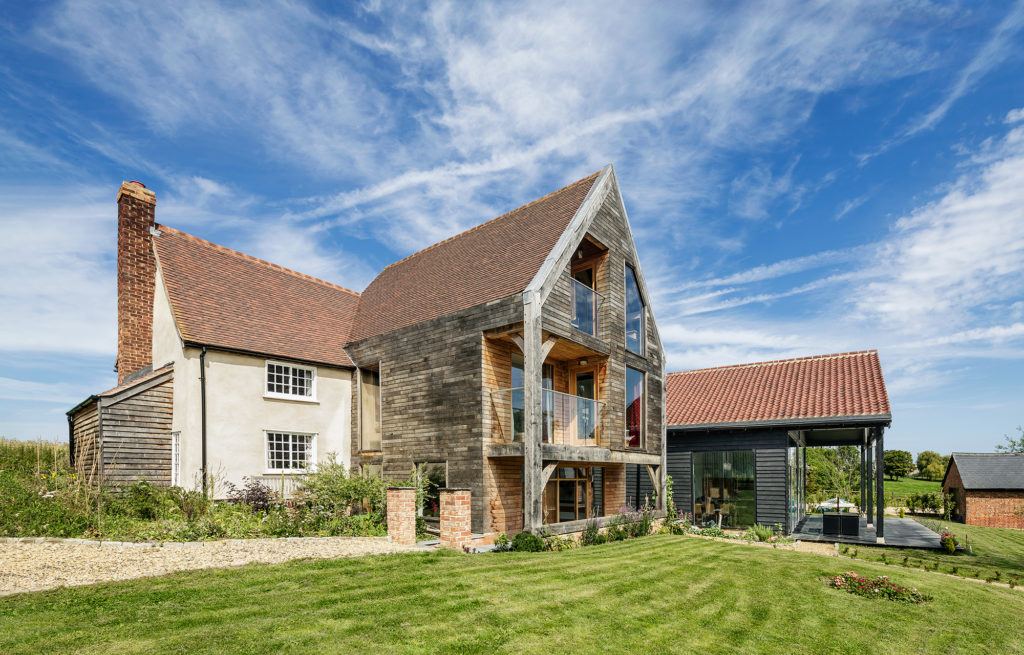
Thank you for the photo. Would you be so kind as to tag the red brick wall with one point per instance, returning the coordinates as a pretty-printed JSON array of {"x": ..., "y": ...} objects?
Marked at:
[
  {"x": 955, "y": 486},
  {"x": 503, "y": 483},
  {"x": 136, "y": 277},
  {"x": 995, "y": 509},
  {"x": 402, "y": 515},
  {"x": 456, "y": 518}
]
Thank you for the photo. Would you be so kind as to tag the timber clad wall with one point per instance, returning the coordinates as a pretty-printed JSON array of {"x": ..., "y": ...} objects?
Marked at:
[
  {"x": 431, "y": 379},
  {"x": 137, "y": 436},
  {"x": 129, "y": 432},
  {"x": 771, "y": 489},
  {"x": 85, "y": 431},
  {"x": 769, "y": 448},
  {"x": 610, "y": 229},
  {"x": 503, "y": 479}
]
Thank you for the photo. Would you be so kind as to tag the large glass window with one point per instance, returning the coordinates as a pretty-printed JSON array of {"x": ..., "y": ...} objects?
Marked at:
[
  {"x": 794, "y": 460},
  {"x": 634, "y": 408},
  {"x": 568, "y": 495},
  {"x": 634, "y": 313},
  {"x": 369, "y": 412},
  {"x": 723, "y": 488},
  {"x": 518, "y": 401}
]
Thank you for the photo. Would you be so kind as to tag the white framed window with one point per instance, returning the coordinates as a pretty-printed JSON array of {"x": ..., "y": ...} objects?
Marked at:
[
  {"x": 290, "y": 452},
  {"x": 289, "y": 381},
  {"x": 176, "y": 459}
]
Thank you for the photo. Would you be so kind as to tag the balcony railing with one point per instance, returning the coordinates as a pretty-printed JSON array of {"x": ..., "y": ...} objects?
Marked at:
[
  {"x": 586, "y": 307},
  {"x": 565, "y": 419}
]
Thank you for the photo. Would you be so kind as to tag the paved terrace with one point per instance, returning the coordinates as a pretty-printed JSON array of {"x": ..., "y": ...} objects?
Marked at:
[{"x": 899, "y": 533}]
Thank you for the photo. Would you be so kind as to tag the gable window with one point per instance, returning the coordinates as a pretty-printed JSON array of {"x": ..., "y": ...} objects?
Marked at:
[
  {"x": 289, "y": 452},
  {"x": 634, "y": 313},
  {"x": 369, "y": 410},
  {"x": 634, "y": 408},
  {"x": 290, "y": 381}
]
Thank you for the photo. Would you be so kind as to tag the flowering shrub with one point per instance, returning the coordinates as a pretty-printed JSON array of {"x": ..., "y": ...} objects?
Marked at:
[
  {"x": 948, "y": 541},
  {"x": 880, "y": 587}
]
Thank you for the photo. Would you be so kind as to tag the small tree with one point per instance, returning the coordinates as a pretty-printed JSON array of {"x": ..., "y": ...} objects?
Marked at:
[
  {"x": 898, "y": 463},
  {"x": 934, "y": 471},
  {"x": 1013, "y": 445},
  {"x": 924, "y": 459}
]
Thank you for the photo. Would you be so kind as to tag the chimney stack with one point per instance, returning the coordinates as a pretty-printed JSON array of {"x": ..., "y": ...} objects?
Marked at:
[{"x": 136, "y": 278}]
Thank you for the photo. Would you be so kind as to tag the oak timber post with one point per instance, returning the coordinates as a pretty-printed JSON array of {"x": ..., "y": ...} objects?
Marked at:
[
  {"x": 880, "y": 481},
  {"x": 532, "y": 401}
]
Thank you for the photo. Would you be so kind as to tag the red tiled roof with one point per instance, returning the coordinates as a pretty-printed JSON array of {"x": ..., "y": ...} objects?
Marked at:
[
  {"x": 825, "y": 386},
  {"x": 223, "y": 298},
  {"x": 490, "y": 261}
]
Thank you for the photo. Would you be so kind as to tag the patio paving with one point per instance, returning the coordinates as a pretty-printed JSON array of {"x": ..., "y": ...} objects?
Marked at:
[{"x": 900, "y": 533}]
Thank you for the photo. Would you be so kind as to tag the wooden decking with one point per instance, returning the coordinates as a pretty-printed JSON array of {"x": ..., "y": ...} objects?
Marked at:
[{"x": 899, "y": 533}]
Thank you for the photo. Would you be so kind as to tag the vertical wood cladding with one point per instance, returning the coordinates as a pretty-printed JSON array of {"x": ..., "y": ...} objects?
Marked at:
[{"x": 431, "y": 377}]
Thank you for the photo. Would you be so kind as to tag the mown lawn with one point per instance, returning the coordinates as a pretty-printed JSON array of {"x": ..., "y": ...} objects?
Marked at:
[
  {"x": 654, "y": 595},
  {"x": 994, "y": 550},
  {"x": 905, "y": 486}
]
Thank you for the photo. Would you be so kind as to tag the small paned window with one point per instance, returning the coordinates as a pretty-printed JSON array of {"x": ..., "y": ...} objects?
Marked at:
[
  {"x": 289, "y": 452},
  {"x": 289, "y": 381}
]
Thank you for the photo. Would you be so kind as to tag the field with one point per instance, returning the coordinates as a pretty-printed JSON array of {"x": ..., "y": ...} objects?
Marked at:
[
  {"x": 910, "y": 486},
  {"x": 996, "y": 551},
  {"x": 659, "y": 594}
]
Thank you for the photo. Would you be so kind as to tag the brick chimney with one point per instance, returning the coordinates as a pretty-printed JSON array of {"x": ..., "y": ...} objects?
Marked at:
[{"x": 136, "y": 278}]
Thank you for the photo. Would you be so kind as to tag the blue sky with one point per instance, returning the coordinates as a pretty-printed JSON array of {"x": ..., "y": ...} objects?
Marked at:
[{"x": 802, "y": 178}]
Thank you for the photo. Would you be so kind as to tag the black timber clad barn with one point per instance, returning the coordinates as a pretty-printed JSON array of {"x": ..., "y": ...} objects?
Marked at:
[{"x": 736, "y": 434}]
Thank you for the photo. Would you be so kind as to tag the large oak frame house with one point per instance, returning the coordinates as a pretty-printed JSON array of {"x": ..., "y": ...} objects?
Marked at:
[{"x": 519, "y": 359}]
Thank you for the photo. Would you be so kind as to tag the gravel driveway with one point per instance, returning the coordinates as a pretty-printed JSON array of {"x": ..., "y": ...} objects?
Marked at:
[{"x": 33, "y": 566}]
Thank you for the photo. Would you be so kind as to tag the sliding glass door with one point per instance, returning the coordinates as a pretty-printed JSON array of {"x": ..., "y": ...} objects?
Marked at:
[{"x": 723, "y": 488}]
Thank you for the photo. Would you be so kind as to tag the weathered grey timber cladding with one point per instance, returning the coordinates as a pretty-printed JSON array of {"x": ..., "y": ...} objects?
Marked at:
[
  {"x": 431, "y": 395},
  {"x": 610, "y": 229},
  {"x": 770, "y": 472},
  {"x": 129, "y": 433}
]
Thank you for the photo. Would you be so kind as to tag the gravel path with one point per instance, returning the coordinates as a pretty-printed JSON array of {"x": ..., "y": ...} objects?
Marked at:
[{"x": 28, "y": 566}]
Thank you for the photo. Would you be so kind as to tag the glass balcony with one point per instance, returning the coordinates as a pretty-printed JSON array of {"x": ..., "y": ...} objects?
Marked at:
[
  {"x": 565, "y": 419},
  {"x": 586, "y": 307}
]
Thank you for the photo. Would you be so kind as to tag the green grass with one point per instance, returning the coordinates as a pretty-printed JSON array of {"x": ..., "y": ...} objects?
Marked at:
[
  {"x": 654, "y": 595},
  {"x": 994, "y": 550},
  {"x": 905, "y": 486}
]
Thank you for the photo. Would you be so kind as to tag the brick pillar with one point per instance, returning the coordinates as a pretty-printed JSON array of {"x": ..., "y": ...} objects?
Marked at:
[
  {"x": 402, "y": 515},
  {"x": 614, "y": 488},
  {"x": 456, "y": 517},
  {"x": 136, "y": 278}
]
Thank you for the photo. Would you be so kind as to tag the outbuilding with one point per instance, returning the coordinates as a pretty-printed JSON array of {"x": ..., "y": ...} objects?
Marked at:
[
  {"x": 987, "y": 488},
  {"x": 737, "y": 435}
]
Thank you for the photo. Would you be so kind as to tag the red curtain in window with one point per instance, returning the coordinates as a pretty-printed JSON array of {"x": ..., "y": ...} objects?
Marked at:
[{"x": 634, "y": 410}]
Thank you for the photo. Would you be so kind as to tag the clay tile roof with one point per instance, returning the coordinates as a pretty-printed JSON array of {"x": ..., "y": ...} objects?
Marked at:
[
  {"x": 223, "y": 298},
  {"x": 490, "y": 261},
  {"x": 825, "y": 386}
]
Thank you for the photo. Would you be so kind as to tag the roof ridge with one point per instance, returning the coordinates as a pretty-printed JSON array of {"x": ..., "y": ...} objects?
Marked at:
[
  {"x": 264, "y": 262},
  {"x": 986, "y": 454},
  {"x": 496, "y": 218},
  {"x": 776, "y": 362}
]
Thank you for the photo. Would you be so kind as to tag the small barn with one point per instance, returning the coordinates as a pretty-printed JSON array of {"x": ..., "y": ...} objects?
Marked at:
[
  {"x": 124, "y": 433},
  {"x": 987, "y": 488}
]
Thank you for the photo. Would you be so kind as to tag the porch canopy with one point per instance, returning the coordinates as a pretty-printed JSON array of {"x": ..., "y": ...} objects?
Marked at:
[{"x": 826, "y": 400}]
